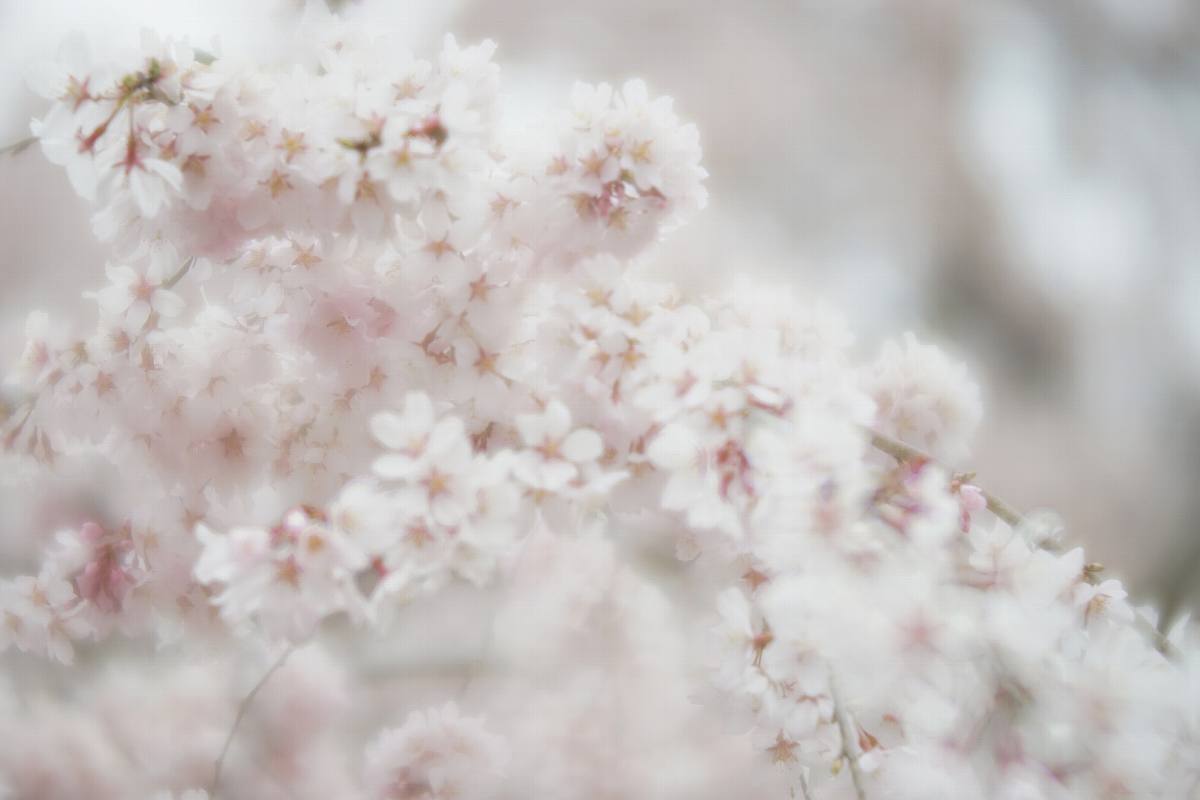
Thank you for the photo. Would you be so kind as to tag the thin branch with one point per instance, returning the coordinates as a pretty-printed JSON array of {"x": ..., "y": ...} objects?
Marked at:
[
  {"x": 906, "y": 453},
  {"x": 17, "y": 146},
  {"x": 178, "y": 276},
  {"x": 805, "y": 791},
  {"x": 241, "y": 713},
  {"x": 849, "y": 743},
  {"x": 1179, "y": 580},
  {"x": 1161, "y": 642}
]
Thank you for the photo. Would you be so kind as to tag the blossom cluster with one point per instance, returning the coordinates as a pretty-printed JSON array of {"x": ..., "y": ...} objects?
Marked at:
[{"x": 363, "y": 339}]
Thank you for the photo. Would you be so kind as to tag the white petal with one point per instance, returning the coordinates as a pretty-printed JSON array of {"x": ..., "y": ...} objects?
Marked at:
[
  {"x": 634, "y": 92},
  {"x": 394, "y": 466},
  {"x": 84, "y": 178},
  {"x": 147, "y": 193},
  {"x": 735, "y": 611},
  {"x": 447, "y": 439},
  {"x": 558, "y": 419},
  {"x": 583, "y": 445},
  {"x": 167, "y": 171},
  {"x": 47, "y": 79},
  {"x": 121, "y": 275},
  {"x": 532, "y": 428},
  {"x": 167, "y": 303},
  {"x": 554, "y": 475},
  {"x": 154, "y": 270},
  {"x": 113, "y": 300},
  {"x": 673, "y": 448},
  {"x": 682, "y": 491},
  {"x": 390, "y": 431},
  {"x": 137, "y": 314},
  {"x": 418, "y": 409}
]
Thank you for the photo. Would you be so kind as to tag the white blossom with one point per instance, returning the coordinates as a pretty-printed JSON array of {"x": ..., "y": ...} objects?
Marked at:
[{"x": 364, "y": 353}]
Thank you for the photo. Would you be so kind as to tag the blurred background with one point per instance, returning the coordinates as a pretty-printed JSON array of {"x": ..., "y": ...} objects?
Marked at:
[{"x": 1018, "y": 181}]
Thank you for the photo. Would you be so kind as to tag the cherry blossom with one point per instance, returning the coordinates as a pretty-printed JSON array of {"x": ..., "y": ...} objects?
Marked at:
[
  {"x": 370, "y": 351},
  {"x": 923, "y": 397},
  {"x": 133, "y": 296},
  {"x": 554, "y": 453}
]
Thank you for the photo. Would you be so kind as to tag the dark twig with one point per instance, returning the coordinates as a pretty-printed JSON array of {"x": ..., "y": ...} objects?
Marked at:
[
  {"x": 18, "y": 146},
  {"x": 241, "y": 713},
  {"x": 179, "y": 273},
  {"x": 906, "y": 453}
]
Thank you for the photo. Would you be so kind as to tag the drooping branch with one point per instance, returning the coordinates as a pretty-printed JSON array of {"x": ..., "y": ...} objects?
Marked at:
[
  {"x": 18, "y": 146},
  {"x": 905, "y": 453}
]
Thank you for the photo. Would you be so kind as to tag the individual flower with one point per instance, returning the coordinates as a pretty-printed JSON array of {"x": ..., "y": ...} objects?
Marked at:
[
  {"x": 923, "y": 398},
  {"x": 435, "y": 462},
  {"x": 554, "y": 454},
  {"x": 134, "y": 294},
  {"x": 408, "y": 435}
]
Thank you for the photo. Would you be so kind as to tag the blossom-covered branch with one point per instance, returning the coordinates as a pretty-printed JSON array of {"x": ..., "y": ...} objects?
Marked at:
[
  {"x": 906, "y": 453},
  {"x": 910, "y": 455},
  {"x": 418, "y": 355}
]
